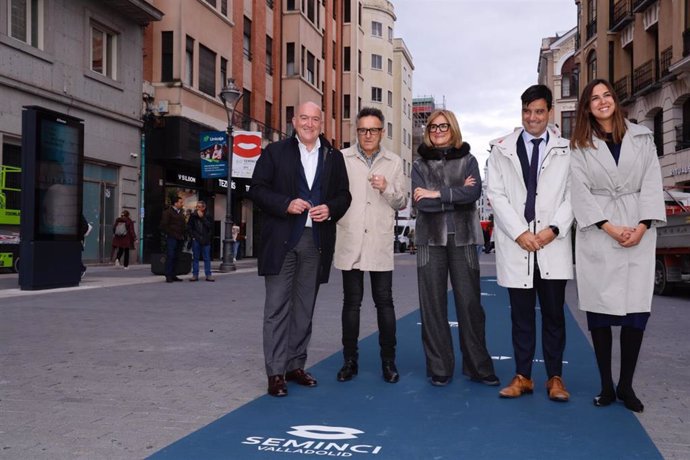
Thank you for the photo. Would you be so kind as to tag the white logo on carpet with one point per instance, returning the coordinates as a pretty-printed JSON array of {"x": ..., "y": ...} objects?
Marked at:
[{"x": 319, "y": 442}]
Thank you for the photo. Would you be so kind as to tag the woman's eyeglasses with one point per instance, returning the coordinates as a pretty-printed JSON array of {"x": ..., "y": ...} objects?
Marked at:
[{"x": 443, "y": 127}]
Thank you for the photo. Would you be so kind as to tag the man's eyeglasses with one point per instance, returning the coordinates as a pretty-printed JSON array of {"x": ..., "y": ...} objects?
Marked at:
[
  {"x": 365, "y": 131},
  {"x": 443, "y": 127}
]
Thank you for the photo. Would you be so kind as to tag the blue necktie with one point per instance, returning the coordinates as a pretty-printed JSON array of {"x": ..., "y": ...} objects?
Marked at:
[{"x": 532, "y": 181}]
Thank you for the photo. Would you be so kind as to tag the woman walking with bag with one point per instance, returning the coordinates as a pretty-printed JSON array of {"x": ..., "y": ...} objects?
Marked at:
[
  {"x": 617, "y": 199},
  {"x": 123, "y": 238}
]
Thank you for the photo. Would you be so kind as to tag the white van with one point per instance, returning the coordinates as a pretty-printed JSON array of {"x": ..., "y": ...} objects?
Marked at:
[{"x": 402, "y": 230}]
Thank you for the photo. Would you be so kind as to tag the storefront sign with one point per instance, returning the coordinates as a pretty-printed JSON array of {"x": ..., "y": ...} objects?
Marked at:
[
  {"x": 246, "y": 151},
  {"x": 213, "y": 151}
]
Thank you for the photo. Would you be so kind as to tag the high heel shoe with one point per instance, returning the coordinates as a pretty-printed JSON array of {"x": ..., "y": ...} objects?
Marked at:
[
  {"x": 605, "y": 398},
  {"x": 629, "y": 399}
]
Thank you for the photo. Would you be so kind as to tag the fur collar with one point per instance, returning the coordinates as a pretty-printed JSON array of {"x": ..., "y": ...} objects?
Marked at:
[{"x": 431, "y": 153}]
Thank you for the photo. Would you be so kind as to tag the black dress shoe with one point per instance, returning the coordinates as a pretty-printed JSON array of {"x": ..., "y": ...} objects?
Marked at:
[
  {"x": 301, "y": 377},
  {"x": 348, "y": 370},
  {"x": 630, "y": 399},
  {"x": 490, "y": 380},
  {"x": 390, "y": 372},
  {"x": 440, "y": 380},
  {"x": 276, "y": 386},
  {"x": 175, "y": 278}
]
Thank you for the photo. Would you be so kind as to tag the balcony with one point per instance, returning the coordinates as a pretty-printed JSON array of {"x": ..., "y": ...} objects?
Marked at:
[
  {"x": 621, "y": 16},
  {"x": 640, "y": 5},
  {"x": 627, "y": 35},
  {"x": 622, "y": 88},
  {"x": 591, "y": 29},
  {"x": 644, "y": 79},
  {"x": 682, "y": 137},
  {"x": 650, "y": 17}
]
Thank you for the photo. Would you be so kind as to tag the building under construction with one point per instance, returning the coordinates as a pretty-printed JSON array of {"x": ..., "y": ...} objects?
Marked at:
[{"x": 422, "y": 107}]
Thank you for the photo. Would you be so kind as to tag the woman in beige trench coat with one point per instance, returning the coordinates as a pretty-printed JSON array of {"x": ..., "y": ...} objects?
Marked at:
[{"x": 617, "y": 199}]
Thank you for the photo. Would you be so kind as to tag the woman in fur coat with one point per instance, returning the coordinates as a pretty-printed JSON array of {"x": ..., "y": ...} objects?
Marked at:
[{"x": 446, "y": 186}]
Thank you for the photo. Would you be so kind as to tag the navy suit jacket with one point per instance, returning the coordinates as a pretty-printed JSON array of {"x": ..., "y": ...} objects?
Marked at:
[{"x": 275, "y": 184}]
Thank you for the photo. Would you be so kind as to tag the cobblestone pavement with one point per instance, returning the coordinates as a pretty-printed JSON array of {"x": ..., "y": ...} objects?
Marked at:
[{"x": 126, "y": 364}]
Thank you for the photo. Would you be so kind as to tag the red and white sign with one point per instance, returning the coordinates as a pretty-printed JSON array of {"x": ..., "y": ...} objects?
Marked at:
[{"x": 246, "y": 148}]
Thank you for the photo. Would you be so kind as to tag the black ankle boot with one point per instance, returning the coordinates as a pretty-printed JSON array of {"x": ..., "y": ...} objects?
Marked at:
[
  {"x": 348, "y": 370},
  {"x": 605, "y": 398},
  {"x": 390, "y": 372}
]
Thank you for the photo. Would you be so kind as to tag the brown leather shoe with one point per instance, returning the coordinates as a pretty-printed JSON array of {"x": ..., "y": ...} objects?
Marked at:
[
  {"x": 518, "y": 386},
  {"x": 556, "y": 389},
  {"x": 301, "y": 377},
  {"x": 276, "y": 386}
]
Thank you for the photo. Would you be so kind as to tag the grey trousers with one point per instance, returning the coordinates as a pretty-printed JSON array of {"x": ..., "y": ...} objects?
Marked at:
[
  {"x": 434, "y": 263},
  {"x": 290, "y": 298}
]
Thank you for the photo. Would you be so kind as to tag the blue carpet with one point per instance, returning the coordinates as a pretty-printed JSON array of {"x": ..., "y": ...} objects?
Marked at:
[{"x": 369, "y": 418}]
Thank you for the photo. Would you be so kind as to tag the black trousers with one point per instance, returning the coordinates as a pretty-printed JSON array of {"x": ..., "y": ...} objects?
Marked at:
[
  {"x": 382, "y": 293},
  {"x": 120, "y": 252},
  {"x": 523, "y": 315}
]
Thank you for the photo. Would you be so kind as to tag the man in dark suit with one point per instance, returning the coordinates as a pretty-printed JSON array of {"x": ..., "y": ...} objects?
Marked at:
[
  {"x": 173, "y": 225},
  {"x": 301, "y": 186}
]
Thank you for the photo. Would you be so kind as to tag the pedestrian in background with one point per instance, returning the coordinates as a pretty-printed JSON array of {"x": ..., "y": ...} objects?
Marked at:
[
  {"x": 529, "y": 193},
  {"x": 618, "y": 203},
  {"x": 447, "y": 185},
  {"x": 200, "y": 230},
  {"x": 123, "y": 238},
  {"x": 364, "y": 241},
  {"x": 235, "y": 242},
  {"x": 300, "y": 184},
  {"x": 173, "y": 224}
]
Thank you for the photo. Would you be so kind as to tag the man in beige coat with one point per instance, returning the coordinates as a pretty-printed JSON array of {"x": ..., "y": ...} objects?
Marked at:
[{"x": 364, "y": 239}]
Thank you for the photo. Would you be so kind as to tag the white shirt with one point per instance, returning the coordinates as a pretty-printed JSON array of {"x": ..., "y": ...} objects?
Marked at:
[{"x": 310, "y": 161}]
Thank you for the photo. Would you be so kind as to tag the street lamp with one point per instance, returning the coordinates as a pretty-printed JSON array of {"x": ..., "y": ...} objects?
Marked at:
[{"x": 230, "y": 95}]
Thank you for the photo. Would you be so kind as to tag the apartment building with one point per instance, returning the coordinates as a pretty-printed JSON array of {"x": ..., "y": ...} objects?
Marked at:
[
  {"x": 643, "y": 48},
  {"x": 81, "y": 58},
  {"x": 556, "y": 70}
]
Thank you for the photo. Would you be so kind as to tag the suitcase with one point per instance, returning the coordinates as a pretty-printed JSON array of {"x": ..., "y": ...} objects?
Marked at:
[{"x": 182, "y": 267}]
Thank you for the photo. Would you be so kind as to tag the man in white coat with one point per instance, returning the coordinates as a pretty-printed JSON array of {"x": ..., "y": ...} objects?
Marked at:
[
  {"x": 528, "y": 190},
  {"x": 364, "y": 240}
]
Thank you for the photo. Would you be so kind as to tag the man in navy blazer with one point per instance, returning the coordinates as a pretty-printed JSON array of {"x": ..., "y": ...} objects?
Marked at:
[{"x": 301, "y": 186}]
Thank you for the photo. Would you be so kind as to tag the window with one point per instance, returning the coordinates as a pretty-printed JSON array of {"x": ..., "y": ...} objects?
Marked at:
[
  {"x": 390, "y": 34},
  {"x": 103, "y": 51},
  {"x": 269, "y": 55},
  {"x": 166, "y": 56},
  {"x": 390, "y": 67},
  {"x": 376, "y": 94},
  {"x": 26, "y": 21},
  {"x": 223, "y": 71},
  {"x": 390, "y": 98},
  {"x": 567, "y": 124},
  {"x": 224, "y": 7},
  {"x": 267, "y": 115},
  {"x": 289, "y": 115},
  {"x": 376, "y": 62},
  {"x": 311, "y": 68},
  {"x": 189, "y": 61},
  {"x": 269, "y": 3},
  {"x": 211, "y": 2},
  {"x": 346, "y": 59},
  {"x": 389, "y": 130},
  {"x": 591, "y": 66},
  {"x": 333, "y": 96},
  {"x": 334, "y": 47},
  {"x": 347, "y": 11},
  {"x": 404, "y": 136},
  {"x": 376, "y": 29},
  {"x": 359, "y": 61},
  {"x": 246, "y": 108},
  {"x": 207, "y": 71},
  {"x": 291, "y": 5},
  {"x": 346, "y": 106},
  {"x": 247, "y": 38},
  {"x": 290, "y": 58},
  {"x": 359, "y": 104},
  {"x": 311, "y": 11}
]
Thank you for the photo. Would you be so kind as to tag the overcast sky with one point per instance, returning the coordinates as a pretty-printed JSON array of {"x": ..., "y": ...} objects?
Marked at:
[{"x": 479, "y": 55}]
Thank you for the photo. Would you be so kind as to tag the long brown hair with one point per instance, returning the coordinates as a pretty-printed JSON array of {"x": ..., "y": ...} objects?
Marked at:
[{"x": 587, "y": 126}]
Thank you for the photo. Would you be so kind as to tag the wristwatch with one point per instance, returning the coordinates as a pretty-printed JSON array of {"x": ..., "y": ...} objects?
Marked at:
[{"x": 554, "y": 229}]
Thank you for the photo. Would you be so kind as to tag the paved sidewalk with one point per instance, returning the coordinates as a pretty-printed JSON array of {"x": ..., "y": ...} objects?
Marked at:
[{"x": 126, "y": 364}]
